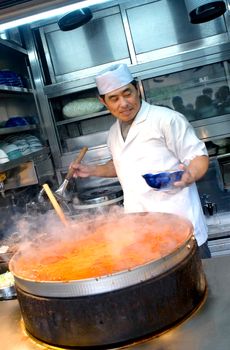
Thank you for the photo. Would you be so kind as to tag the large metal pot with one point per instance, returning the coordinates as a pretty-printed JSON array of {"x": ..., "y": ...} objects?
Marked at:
[{"x": 119, "y": 308}]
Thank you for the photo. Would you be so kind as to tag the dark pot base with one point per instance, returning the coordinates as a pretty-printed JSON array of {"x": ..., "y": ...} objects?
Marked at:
[
  {"x": 120, "y": 317},
  {"x": 131, "y": 342}
]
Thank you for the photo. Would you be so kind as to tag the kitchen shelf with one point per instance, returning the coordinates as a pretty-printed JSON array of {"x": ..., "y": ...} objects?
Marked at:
[
  {"x": 13, "y": 46},
  {"x": 34, "y": 156},
  {"x": 83, "y": 117},
  {"x": 194, "y": 84},
  {"x": 14, "y": 89},
  {"x": 69, "y": 87},
  {"x": 221, "y": 156},
  {"x": 12, "y": 130}
]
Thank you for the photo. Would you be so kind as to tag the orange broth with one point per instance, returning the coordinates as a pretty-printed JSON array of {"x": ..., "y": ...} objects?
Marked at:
[{"x": 105, "y": 248}]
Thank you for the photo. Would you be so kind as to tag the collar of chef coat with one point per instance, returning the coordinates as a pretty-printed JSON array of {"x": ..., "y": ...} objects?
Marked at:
[
  {"x": 140, "y": 117},
  {"x": 143, "y": 112}
]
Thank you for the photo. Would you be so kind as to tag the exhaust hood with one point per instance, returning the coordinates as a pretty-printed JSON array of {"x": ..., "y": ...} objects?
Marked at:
[
  {"x": 201, "y": 11},
  {"x": 75, "y": 19},
  {"x": 18, "y": 12}
]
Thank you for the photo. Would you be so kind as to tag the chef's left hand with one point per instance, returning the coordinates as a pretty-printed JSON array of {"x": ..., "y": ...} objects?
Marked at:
[
  {"x": 194, "y": 170},
  {"x": 187, "y": 178}
]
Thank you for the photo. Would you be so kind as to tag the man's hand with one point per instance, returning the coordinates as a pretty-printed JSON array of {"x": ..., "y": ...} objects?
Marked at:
[
  {"x": 186, "y": 179},
  {"x": 104, "y": 170},
  {"x": 196, "y": 169},
  {"x": 81, "y": 170}
]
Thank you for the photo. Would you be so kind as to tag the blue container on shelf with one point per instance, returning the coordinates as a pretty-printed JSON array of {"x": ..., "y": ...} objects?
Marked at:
[
  {"x": 16, "y": 121},
  {"x": 10, "y": 78}
]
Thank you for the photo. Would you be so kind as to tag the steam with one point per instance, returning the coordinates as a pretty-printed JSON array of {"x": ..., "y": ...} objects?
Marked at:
[
  {"x": 47, "y": 227},
  {"x": 125, "y": 240}
]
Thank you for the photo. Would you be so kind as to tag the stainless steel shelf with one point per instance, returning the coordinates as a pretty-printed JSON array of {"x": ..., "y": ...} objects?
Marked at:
[
  {"x": 13, "y": 46},
  {"x": 12, "y": 130},
  {"x": 34, "y": 156},
  {"x": 14, "y": 89},
  {"x": 69, "y": 87},
  {"x": 83, "y": 117}
]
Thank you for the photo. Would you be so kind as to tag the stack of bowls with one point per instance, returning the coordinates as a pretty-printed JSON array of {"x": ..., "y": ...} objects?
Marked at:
[
  {"x": 3, "y": 157},
  {"x": 34, "y": 143},
  {"x": 14, "y": 147},
  {"x": 23, "y": 146},
  {"x": 21, "y": 143},
  {"x": 11, "y": 150}
]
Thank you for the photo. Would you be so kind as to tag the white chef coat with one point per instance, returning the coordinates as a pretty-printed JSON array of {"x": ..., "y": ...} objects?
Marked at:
[{"x": 159, "y": 139}]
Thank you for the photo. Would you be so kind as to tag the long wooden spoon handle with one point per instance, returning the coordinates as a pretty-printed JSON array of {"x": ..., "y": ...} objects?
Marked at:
[{"x": 55, "y": 204}]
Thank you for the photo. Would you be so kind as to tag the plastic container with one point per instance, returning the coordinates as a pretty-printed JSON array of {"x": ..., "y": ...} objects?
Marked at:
[{"x": 163, "y": 180}]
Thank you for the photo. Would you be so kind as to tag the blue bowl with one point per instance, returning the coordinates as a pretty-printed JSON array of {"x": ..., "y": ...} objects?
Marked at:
[
  {"x": 163, "y": 181},
  {"x": 16, "y": 121}
]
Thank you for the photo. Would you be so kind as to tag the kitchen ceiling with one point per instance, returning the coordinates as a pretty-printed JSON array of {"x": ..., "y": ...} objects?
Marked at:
[
  {"x": 28, "y": 5},
  {"x": 6, "y": 4}
]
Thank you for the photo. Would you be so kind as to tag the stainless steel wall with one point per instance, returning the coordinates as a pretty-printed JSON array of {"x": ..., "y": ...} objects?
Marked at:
[
  {"x": 134, "y": 32},
  {"x": 153, "y": 37},
  {"x": 162, "y": 24}
]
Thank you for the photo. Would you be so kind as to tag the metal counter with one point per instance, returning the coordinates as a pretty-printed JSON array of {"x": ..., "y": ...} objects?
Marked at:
[{"x": 207, "y": 329}]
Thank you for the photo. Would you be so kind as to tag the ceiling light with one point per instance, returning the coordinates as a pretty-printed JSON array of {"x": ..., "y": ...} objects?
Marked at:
[{"x": 48, "y": 14}]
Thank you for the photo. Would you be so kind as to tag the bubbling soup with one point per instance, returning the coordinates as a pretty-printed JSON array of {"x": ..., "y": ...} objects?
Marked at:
[{"x": 105, "y": 247}]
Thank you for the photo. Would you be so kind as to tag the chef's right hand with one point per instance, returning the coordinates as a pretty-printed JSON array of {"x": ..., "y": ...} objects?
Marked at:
[
  {"x": 81, "y": 170},
  {"x": 99, "y": 170}
]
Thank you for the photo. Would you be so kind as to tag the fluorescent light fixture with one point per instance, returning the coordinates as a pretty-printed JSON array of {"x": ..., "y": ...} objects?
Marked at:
[{"x": 48, "y": 14}]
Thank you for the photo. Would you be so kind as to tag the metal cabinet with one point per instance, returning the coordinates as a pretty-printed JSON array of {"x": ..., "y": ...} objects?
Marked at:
[
  {"x": 201, "y": 93},
  {"x": 76, "y": 53},
  {"x": 161, "y": 28},
  {"x": 19, "y": 117},
  {"x": 77, "y": 116}
]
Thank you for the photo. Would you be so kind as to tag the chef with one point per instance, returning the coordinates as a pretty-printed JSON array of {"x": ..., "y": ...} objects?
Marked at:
[{"x": 150, "y": 139}]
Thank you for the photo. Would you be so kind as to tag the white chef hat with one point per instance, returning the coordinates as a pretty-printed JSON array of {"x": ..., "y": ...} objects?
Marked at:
[{"x": 112, "y": 78}]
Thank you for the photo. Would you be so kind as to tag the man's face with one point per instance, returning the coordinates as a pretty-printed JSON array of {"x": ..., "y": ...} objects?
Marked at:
[{"x": 123, "y": 103}]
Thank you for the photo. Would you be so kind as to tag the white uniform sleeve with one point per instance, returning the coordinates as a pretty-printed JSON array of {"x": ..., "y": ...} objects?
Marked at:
[
  {"x": 181, "y": 139},
  {"x": 110, "y": 136}
]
